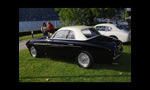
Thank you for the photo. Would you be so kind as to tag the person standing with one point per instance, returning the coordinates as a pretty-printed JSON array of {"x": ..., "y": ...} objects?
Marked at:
[
  {"x": 50, "y": 28},
  {"x": 44, "y": 29}
]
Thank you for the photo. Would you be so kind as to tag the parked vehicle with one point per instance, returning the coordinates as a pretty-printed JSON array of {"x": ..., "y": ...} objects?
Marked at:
[
  {"x": 124, "y": 27},
  {"x": 82, "y": 43},
  {"x": 113, "y": 31}
]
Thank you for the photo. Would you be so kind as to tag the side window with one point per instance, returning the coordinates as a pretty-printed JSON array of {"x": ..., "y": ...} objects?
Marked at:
[
  {"x": 61, "y": 34},
  {"x": 71, "y": 35},
  {"x": 100, "y": 28},
  {"x": 108, "y": 28}
]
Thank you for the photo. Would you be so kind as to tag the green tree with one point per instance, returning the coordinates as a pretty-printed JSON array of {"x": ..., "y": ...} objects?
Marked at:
[
  {"x": 85, "y": 16},
  {"x": 77, "y": 16},
  {"x": 108, "y": 13},
  {"x": 125, "y": 14}
]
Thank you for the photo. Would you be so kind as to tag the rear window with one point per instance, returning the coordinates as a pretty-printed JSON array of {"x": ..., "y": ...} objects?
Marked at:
[
  {"x": 90, "y": 32},
  {"x": 126, "y": 27}
]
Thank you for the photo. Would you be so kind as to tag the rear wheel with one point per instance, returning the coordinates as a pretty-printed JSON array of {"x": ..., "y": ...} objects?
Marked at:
[
  {"x": 34, "y": 52},
  {"x": 84, "y": 59}
]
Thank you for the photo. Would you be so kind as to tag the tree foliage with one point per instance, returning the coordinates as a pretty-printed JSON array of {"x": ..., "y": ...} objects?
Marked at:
[
  {"x": 85, "y": 16},
  {"x": 125, "y": 14},
  {"x": 77, "y": 16},
  {"x": 107, "y": 12}
]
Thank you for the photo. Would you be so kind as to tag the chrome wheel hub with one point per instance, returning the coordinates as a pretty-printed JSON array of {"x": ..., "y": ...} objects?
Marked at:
[
  {"x": 83, "y": 59},
  {"x": 33, "y": 52}
]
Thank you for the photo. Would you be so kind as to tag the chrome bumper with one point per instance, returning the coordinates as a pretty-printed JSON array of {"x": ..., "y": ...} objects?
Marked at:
[
  {"x": 118, "y": 51},
  {"x": 114, "y": 58}
]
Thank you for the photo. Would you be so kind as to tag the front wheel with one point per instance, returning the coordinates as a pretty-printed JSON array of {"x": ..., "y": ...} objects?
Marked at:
[
  {"x": 84, "y": 59},
  {"x": 33, "y": 52}
]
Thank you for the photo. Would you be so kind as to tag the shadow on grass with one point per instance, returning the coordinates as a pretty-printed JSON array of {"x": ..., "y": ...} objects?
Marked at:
[{"x": 123, "y": 66}]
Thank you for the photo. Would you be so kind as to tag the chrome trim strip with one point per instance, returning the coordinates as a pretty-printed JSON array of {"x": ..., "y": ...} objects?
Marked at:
[
  {"x": 116, "y": 57},
  {"x": 42, "y": 44},
  {"x": 56, "y": 45}
]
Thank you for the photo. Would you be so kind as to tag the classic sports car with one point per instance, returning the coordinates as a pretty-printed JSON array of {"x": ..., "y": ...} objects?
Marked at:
[
  {"x": 113, "y": 31},
  {"x": 82, "y": 43}
]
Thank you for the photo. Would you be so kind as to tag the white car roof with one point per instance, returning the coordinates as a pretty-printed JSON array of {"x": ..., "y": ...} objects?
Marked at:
[
  {"x": 77, "y": 31},
  {"x": 106, "y": 24},
  {"x": 74, "y": 28}
]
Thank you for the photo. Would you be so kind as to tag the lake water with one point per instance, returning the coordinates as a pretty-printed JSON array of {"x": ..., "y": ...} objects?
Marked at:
[{"x": 35, "y": 25}]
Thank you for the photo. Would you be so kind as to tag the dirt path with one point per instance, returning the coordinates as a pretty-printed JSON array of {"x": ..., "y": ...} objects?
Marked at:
[{"x": 22, "y": 44}]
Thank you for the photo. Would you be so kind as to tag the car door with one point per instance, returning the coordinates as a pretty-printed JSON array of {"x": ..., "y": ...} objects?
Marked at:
[
  {"x": 108, "y": 31},
  {"x": 104, "y": 30},
  {"x": 57, "y": 43},
  {"x": 70, "y": 44},
  {"x": 61, "y": 43},
  {"x": 101, "y": 29}
]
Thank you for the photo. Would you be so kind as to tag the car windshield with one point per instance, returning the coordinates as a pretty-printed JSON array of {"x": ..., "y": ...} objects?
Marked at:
[
  {"x": 125, "y": 27},
  {"x": 90, "y": 32}
]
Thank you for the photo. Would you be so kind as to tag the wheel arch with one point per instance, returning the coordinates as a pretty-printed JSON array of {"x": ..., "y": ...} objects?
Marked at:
[
  {"x": 85, "y": 48},
  {"x": 114, "y": 36}
]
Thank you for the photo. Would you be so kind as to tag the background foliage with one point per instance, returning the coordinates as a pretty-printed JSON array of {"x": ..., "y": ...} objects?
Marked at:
[{"x": 86, "y": 16}]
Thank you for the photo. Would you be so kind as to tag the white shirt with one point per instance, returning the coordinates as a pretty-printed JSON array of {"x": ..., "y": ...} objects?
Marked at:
[{"x": 44, "y": 28}]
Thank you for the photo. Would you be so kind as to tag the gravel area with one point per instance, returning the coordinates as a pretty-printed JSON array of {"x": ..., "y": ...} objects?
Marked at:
[{"x": 22, "y": 44}]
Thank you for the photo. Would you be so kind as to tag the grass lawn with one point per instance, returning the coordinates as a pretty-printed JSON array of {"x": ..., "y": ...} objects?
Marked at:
[
  {"x": 30, "y": 36},
  {"x": 55, "y": 70}
]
